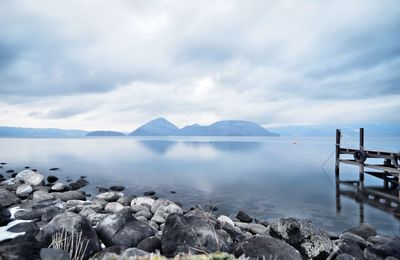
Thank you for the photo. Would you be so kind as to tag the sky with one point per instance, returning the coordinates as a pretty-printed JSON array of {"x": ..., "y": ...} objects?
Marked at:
[{"x": 114, "y": 65}]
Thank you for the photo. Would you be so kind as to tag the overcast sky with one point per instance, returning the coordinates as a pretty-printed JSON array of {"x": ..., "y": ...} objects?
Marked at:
[{"x": 118, "y": 64}]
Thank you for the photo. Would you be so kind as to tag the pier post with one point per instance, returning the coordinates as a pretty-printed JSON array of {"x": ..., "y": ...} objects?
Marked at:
[
  {"x": 337, "y": 171},
  {"x": 361, "y": 169}
]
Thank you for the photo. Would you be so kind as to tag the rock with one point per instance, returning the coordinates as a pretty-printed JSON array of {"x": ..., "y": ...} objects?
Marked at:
[
  {"x": 348, "y": 247},
  {"x": 255, "y": 229},
  {"x": 53, "y": 254},
  {"x": 112, "y": 249},
  {"x": 110, "y": 196},
  {"x": 51, "y": 212},
  {"x": 103, "y": 189},
  {"x": 54, "y": 169},
  {"x": 24, "y": 190},
  {"x": 150, "y": 244},
  {"x": 304, "y": 236},
  {"x": 137, "y": 208},
  {"x": 191, "y": 233},
  {"x": 71, "y": 223},
  {"x": 29, "y": 177},
  {"x": 364, "y": 230},
  {"x": 8, "y": 182},
  {"x": 126, "y": 200},
  {"x": 57, "y": 187},
  {"x": 70, "y": 195},
  {"x": 383, "y": 251},
  {"x": 28, "y": 215},
  {"x": 141, "y": 218},
  {"x": 78, "y": 184},
  {"x": 144, "y": 213},
  {"x": 9, "y": 171},
  {"x": 263, "y": 247},
  {"x": 92, "y": 215},
  {"x": 225, "y": 220},
  {"x": 380, "y": 239},
  {"x": 24, "y": 247},
  {"x": 113, "y": 207},
  {"x": 4, "y": 216},
  {"x": 27, "y": 227},
  {"x": 7, "y": 198},
  {"x": 346, "y": 257},
  {"x": 52, "y": 179},
  {"x": 123, "y": 229},
  {"x": 36, "y": 209},
  {"x": 40, "y": 195},
  {"x": 353, "y": 237},
  {"x": 154, "y": 225},
  {"x": 117, "y": 188},
  {"x": 158, "y": 219},
  {"x": 149, "y": 193},
  {"x": 134, "y": 252},
  {"x": 242, "y": 216},
  {"x": 76, "y": 203},
  {"x": 142, "y": 201}
]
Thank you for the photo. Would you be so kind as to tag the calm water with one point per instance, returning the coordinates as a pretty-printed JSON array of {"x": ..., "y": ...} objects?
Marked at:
[{"x": 267, "y": 177}]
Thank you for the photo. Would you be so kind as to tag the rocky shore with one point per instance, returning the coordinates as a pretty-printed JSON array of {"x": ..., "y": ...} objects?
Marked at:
[{"x": 41, "y": 218}]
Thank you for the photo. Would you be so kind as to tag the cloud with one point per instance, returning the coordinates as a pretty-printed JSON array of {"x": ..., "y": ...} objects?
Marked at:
[{"x": 122, "y": 63}]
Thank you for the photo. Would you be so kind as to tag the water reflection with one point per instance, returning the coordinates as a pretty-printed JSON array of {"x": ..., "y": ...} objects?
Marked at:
[{"x": 158, "y": 146}]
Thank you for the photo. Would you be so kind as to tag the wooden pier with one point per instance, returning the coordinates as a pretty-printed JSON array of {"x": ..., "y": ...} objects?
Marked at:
[{"x": 386, "y": 197}]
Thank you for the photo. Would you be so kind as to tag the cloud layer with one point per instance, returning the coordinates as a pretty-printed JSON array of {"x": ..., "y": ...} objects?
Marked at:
[{"x": 115, "y": 65}]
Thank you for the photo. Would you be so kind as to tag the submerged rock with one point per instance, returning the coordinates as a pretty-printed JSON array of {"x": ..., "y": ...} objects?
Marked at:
[
  {"x": 117, "y": 188},
  {"x": 263, "y": 247}
]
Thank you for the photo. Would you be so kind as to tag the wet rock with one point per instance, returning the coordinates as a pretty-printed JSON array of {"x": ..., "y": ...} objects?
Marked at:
[
  {"x": 9, "y": 171},
  {"x": 225, "y": 220},
  {"x": 27, "y": 227},
  {"x": 103, "y": 189},
  {"x": 52, "y": 179},
  {"x": 13, "y": 175},
  {"x": 123, "y": 229},
  {"x": 57, "y": 187},
  {"x": 24, "y": 190},
  {"x": 266, "y": 248},
  {"x": 364, "y": 230},
  {"x": 24, "y": 247},
  {"x": 4, "y": 216},
  {"x": 72, "y": 224},
  {"x": 242, "y": 216},
  {"x": 110, "y": 196},
  {"x": 383, "y": 251},
  {"x": 353, "y": 237},
  {"x": 134, "y": 252},
  {"x": 193, "y": 232},
  {"x": 54, "y": 254},
  {"x": 150, "y": 244},
  {"x": 304, "y": 236},
  {"x": 113, "y": 207},
  {"x": 78, "y": 184},
  {"x": 149, "y": 193},
  {"x": 29, "y": 177},
  {"x": 7, "y": 198},
  {"x": 117, "y": 188},
  {"x": 142, "y": 201}
]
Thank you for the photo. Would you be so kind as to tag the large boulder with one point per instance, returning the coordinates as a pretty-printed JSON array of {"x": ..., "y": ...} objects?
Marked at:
[
  {"x": 4, "y": 216},
  {"x": 29, "y": 177},
  {"x": 123, "y": 229},
  {"x": 150, "y": 244},
  {"x": 24, "y": 190},
  {"x": 36, "y": 209},
  {"x": 195, "y": 233},
  {"x": 7, "y": 198},
  {"x": 142, "y": 201},
  {"x": 24, "y": 247},
  {"x": 364, "y": 230},
  {"x": 264, "y": 247},
  {"x": 73, "y": 225},
  {"x": 383, "y": 250},
  {"x": 304, "y": 236}
]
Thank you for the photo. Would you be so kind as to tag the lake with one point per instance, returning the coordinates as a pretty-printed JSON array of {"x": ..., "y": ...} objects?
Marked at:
[{"x": 267, "y": 177}]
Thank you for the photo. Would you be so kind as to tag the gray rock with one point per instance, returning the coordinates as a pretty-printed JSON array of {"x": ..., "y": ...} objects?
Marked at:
[
  {"x": 53, "y": 254},
  {"x": 27, "y": 227},
  {"x": 142, "y": 201},
  {"x": 158, "y": 219},
  {"x": 226, "y": 220},
  {"x": 117, "y": 250},
  {"x": 7, "y": 198},
  {"x": 383, "y": 251},
  {"x": 150, "y": 244},
  {"x": 380, "y": 239},
  {"x": 57, "y": 187},
  {"x": 144, "y": 213},
  {"x": 110, "y": 196},
  {"x": 29, "y": 177},
  {"x": 357, "y": 239},
  {"x": 243, "y": 217},
  {"x": 24, "y": 247},
  {"x": 72, "y": 224},
  {"x": 142, "y": 219},
  {"x": 133, "y": 252},
  {"x": 40, "y": 195},
  {"x": 346, "y": 257},
  {"x": 24, "y": 190},
  {"x": 4, "y": 216},
  {"x": 263, "y": 247},
  {"x": 113, "y": 207},
  {"x": 348, "y": 247},
  {"x": 70, "y": 195},
  {"x": 126, "y": 200},
  {"x": 8, "y": 182},
  {"x": 255, "y": 229},
  {"x": 123, "y": 229},
  {"x": 137, "y": 208},
  {"x": 364, "y": 230}
]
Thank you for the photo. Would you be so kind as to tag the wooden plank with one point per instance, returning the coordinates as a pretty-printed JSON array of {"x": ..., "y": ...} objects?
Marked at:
[
  {"x": 369, "y": 153},
  {"x": 374, "y": 166}
]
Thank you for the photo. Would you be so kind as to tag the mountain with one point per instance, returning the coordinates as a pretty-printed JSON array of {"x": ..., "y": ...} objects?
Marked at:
[
  {"x": 227, "y": 128},
  {"x": 105, "y": 133},
  {"x": 370, "y": 129},
  {"x": 6, "y": 131},
  {"x": 157, "y": 127}
]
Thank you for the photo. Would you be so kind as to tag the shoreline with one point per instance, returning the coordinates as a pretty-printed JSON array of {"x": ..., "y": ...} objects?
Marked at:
[{"x": 113, "y": 223}]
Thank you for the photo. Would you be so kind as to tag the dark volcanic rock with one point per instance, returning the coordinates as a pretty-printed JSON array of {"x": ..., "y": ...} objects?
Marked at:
[
  {"x": 54, "y": 254},
  {"x": 382, "y": 251},
  {"x": 71, "y": 223},
  {"x": 242, "y": 216},
  {"x": 195, "y": 232},
  {"x": 10, "y": 171},
  {"x": 149, "y": 193},
  {"x": 52, "y": 178},
  {"x": 266, "y": 248},
  {"x": 304, "y": 236},
  {"x": 123, "y": 229},
  {"x": 117, "y": 188},
  {"x": 150, "y": 244},
  {"x": 364, "y": 230},
  {"x": 24, "y": 247},
  {"x": 4, "y": 216}
]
